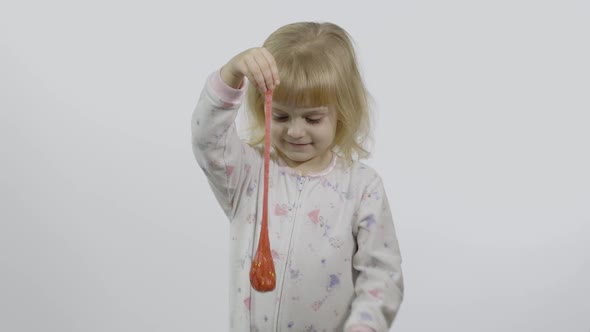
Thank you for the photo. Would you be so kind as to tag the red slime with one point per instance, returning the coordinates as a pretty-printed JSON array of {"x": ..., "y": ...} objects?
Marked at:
[{"x": 262, "y": 271}]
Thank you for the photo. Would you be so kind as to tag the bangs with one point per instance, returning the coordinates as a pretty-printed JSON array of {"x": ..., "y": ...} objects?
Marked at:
[{"x": 305, "y": 83}]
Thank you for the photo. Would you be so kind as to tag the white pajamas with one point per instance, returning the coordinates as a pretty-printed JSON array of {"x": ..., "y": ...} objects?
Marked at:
[{"x": 332, "y": 237}]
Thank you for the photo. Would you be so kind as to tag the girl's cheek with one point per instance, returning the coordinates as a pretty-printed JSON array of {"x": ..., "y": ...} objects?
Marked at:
[
  {"x": 275, "y": 130},
  {"x": 277, "y": 127}
]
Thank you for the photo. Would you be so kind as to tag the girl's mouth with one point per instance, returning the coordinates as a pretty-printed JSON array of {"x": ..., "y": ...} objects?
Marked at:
[{"x": 298, "y": 145}]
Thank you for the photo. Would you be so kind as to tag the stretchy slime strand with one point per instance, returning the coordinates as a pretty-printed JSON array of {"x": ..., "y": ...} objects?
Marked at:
[{"x": 262, "y": 271}]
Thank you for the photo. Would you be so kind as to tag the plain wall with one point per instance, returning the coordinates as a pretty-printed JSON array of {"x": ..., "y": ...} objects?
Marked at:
[{"x": 481, "y": 136}]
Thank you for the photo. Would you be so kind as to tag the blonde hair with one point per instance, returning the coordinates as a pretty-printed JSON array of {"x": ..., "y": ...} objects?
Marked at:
[{"x": 317, "y": 67}]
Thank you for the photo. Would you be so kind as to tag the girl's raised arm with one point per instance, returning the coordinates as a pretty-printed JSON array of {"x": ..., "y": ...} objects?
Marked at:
[{"x": 224, "y": 158}]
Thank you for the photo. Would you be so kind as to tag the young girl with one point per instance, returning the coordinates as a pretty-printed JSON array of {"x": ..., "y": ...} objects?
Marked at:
[{"x": 334, "y": 247}]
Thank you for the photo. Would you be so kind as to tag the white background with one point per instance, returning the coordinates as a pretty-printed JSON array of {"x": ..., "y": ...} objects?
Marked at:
[{"x": 481, "y": 137}]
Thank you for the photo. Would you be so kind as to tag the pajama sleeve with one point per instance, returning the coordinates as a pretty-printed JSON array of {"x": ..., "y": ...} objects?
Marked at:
[
  {"x": 377, "y": 262},
  {"x": 224, "y": 158}
]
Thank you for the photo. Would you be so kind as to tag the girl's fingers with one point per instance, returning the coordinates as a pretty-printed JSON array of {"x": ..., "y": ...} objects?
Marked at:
[
  {"x": 255, "y": 74},
  {"x": 266, "y": 71},
  {"x": 273, "y": 66},
  {"x": 259, "y": 66}
]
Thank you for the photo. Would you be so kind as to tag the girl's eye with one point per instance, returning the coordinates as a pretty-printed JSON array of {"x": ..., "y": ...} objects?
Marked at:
[
  {"x": 284, "y": 118},
  {"x": 281, "y": 118}
]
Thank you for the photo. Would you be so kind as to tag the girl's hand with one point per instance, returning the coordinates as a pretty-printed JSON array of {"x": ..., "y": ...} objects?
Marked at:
[
  {"x": 361, "y": 328},
  {"x": 257, "y": 64}
]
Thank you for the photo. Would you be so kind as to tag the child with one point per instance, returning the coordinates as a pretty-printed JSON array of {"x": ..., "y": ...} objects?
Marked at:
[{"x": 334, "y": 247}]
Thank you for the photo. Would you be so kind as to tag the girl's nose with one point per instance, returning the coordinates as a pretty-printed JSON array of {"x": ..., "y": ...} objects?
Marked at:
[{"x": 295, "y": 130}]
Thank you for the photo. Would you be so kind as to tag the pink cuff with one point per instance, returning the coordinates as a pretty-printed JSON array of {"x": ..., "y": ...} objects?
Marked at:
[
  {"x": 361, "y": 328},
  {"x": 224, "y": 91}
]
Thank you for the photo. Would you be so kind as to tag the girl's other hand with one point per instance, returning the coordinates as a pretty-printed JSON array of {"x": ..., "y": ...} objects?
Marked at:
[{"x": 257, "y": 64}]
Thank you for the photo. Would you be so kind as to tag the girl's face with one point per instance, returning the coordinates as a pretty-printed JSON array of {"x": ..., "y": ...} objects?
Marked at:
[{"x": 304, "y": 136}]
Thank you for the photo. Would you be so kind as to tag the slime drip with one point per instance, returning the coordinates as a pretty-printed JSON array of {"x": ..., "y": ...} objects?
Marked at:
[{"x": 262, "y": 271}]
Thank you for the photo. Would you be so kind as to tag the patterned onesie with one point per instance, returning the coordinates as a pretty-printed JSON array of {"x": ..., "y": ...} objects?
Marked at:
[{"x": 333, "y": 241}]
